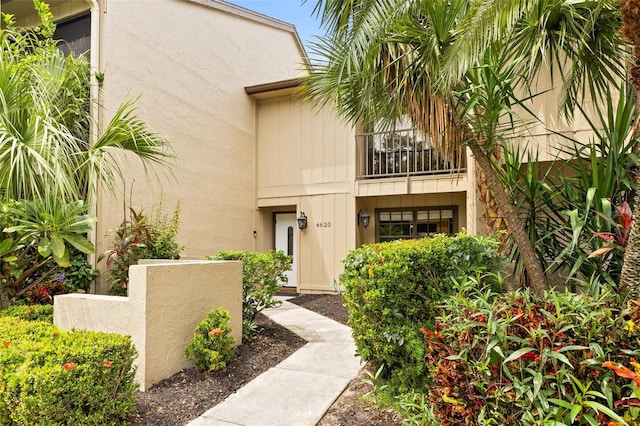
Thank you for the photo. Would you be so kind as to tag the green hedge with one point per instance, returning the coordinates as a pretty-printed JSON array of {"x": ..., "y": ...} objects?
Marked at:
[
  {"x": 30, "y": 312},
  {"x": 49, "y": 376},
  {"x": 393, "y": 289}
]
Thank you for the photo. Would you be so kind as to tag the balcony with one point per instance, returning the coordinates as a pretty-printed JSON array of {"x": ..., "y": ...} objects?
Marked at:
[{"x": 404, "y": 153}]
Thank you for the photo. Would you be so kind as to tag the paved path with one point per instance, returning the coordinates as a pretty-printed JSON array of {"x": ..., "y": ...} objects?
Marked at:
[{"x": 299, "y": 390}]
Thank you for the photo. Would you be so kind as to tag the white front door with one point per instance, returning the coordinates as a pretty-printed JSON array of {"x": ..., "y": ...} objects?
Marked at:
[{"x": 286, "y": 240}]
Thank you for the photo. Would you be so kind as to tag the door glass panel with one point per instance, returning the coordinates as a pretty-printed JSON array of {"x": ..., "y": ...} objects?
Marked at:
[{"x": 290, "y": 241}]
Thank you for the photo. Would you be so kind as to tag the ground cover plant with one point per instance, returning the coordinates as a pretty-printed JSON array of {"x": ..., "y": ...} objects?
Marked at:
[
  {"x": 50, "y": 376},
  {"x": 262, "y": 276},
  {"x": 521, "y": 359}
]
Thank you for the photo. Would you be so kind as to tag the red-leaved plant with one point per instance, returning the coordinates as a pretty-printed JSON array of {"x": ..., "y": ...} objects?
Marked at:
[
  {"x": 620, "y": 236},
  {"x": 521, "y": 360}
]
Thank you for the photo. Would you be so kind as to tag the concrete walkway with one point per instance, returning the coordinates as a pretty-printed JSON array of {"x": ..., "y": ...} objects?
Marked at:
[{"x": 299, "y": 390}]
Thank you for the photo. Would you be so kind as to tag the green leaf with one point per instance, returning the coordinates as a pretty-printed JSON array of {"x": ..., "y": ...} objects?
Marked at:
[
  {"x": 79, "y": 242},
  {"x": 573, "y": 348},
  {"x": 591, "y": 420},
  {"x": 12, "y": 229},
  {"x": 57, "y": 246},
  {"x": 561, "y": 403},
  {"x": 559, "y": 357},
  {"x": 575, "y": 410},
  {"x": 6, "y": 246},
  {"x": 62, "y": 260},
  {"x": 517, "y": 354},
  {"x": 44, "y": 247},
  {"x": 606, "y": 410},
  {"x": 537, "y": 382}
]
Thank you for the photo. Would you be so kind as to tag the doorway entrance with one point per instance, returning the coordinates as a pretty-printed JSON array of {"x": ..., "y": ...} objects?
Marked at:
[{"x": 286, "y": 240}]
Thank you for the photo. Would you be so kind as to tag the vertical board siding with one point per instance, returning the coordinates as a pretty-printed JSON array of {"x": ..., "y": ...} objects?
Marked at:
[{"x": 305, "y": 147}]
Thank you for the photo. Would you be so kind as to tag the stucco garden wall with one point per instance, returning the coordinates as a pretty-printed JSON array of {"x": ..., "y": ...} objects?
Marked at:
[{"x": 166, "y": 300}]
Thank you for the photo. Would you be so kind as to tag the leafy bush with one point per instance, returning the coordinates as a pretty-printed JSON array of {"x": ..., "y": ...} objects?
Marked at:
[
  {"x": 49, "y": 376},
  {"x": 211, "y": 346},
  {"x": 392, "y": 289},
  {"x": 79, "y": 275},
  {"x": 39, "y": 239},
  {"x": 262, "y": 275},
  {"x": 141, "y": 237},
  {"x": 518, "y": 359},
  {"x": 30, "y": 313},
  {"x": 51, "y": 279}
]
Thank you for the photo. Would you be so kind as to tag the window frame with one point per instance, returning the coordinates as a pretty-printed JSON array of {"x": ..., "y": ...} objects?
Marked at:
[{"x": 453, "y": 225}]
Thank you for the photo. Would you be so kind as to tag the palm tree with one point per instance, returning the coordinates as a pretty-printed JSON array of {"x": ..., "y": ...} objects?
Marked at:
[
  {"x": 45, "y": 118},
  {"x": 630, "y": 275},
  {"x": 47, "y": 161},
  {"x": 458, "y": 68}
]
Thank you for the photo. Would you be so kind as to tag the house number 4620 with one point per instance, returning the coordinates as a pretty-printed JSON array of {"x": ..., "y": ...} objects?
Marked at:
[{"x": 323, "y": 225}]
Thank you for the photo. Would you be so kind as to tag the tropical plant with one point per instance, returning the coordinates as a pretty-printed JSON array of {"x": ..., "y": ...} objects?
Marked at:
[
  {"x": 48, "y": 162},
  {"x": 262, "y": 276},
  {"x": 45, "y": 151},
  {"x": 141, "y": 237},
  {"x": 458, "y": 69},
  {"x": 568, "y": 204},
  {"x": 38, "y": 236},
  {"x": 518, "y": 359}
]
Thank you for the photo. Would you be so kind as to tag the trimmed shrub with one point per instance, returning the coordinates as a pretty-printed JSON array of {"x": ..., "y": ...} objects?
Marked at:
[
  {"x": 262, "y": 276},
  {"x": 49, "y": 376},
  {"x": 393, "y": 289},
  {"x": 524, "y": 360},
  {"x": 30, "y": 313},
  {"x": 211, "y": 346}
]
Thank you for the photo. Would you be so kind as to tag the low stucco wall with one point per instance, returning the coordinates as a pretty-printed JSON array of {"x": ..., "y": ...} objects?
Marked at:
[{"x": 165, "y": 302}]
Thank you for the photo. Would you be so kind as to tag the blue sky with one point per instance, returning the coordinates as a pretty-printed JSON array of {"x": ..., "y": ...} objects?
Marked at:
[{"x": 290, "y": 11}]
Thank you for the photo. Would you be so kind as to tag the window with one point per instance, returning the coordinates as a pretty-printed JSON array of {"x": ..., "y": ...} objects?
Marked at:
[
  {"x": 398, "y": 224},
  {"x": 76, "y": 35}
]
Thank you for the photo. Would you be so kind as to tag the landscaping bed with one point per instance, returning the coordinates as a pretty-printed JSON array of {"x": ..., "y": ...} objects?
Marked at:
[{"x": 190, "y": 393}]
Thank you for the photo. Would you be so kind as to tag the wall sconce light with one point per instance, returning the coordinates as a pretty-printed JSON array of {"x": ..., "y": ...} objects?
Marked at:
[
  {"x": 302, "y": 221},
  {"x": 363, "y": 218}
]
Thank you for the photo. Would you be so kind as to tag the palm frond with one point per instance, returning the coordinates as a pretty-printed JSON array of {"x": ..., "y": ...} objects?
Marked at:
[{"x": 126, "y": 133}]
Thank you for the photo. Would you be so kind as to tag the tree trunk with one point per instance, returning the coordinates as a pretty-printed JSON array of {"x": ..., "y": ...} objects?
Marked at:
[
  {"x": 537, "y": 278},
  {"x": 630, "y": 275},
  {"x": 4, "y": 298}
]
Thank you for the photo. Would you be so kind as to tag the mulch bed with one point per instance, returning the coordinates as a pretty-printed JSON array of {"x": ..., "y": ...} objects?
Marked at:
[{"x": 188, "y": 394}]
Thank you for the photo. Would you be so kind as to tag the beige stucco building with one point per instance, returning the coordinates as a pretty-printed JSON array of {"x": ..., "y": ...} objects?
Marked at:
[{"x": 220, "y": 81}]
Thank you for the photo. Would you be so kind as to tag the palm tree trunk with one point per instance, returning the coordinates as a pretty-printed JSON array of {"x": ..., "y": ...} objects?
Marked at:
[
  {"x": 533, "y": 269},
  {"x": 630, "y": 275}
]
